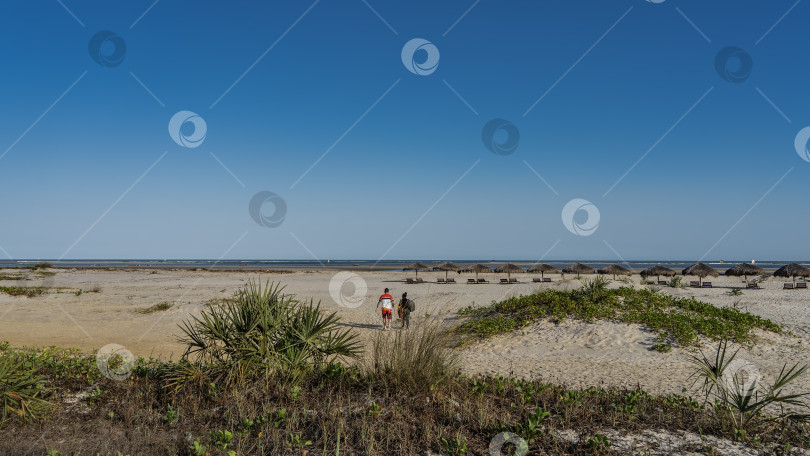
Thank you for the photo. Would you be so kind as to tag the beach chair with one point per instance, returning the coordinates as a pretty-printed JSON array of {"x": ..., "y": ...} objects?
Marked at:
[
  {"x": 483, "y": 281},
  {"x": 471, "y": 281},
  {"x": 409, "y": 280},
  {"x": 707, "y": 284},
  {"x": 440, "y": 281},
  {"x": 451, "y": 280},
  {"x": 420, "y": 281},
  {"x": 753, "y": 286},
  {"x": 546, "y": 279},
  {"x": 694, "y": 284},
  {"x": 505, "y": 281},
  {"x": 801, "y": 285},
  {"x": 537, "y": 279},
  {"x": 662, "y": 282},
  {"x": 788, "y": 286},
  {"x": 513, "y": 281}
]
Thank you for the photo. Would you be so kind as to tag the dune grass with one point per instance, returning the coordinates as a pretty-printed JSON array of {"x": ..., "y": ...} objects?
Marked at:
[
  {"x": 160, "y": 307},
  {"x": 676, "y": 320},
  {"x": 28, "y": 292}
]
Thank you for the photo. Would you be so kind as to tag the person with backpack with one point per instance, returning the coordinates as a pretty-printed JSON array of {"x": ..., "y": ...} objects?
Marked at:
[
  {"x": 406, "y": 306},
  {"x": 387, "y": 303}
]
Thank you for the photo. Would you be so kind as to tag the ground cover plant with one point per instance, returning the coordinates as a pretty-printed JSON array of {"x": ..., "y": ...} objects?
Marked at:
[{"x": 676, "y": 320}]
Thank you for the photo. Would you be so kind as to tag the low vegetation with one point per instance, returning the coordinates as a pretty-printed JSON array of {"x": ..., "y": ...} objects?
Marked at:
[
  {"x": 266, "y": 374},
  {"x": 676, "y": 320},
  {"x": 160, "y": 307},
  {"x": 28, "y": 292}
]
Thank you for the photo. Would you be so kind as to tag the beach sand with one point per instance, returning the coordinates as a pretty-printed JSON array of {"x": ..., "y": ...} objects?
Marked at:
[{"x": 572, "y": 352}]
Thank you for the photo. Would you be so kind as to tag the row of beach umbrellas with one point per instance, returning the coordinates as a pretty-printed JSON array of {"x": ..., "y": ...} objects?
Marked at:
[{"x": 700, "y": 270}]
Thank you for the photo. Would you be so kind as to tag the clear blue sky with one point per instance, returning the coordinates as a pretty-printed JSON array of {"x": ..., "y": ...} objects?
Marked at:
[{"x": 617, "y": 76}]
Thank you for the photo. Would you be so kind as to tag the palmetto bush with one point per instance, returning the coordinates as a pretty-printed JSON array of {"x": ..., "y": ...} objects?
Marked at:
[
  {"x": 264, "y": 330},
  {"x": 20, "y": 391}
]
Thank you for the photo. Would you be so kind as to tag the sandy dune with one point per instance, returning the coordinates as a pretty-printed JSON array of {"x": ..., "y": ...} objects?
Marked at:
[{"x": 572, "y": 352}]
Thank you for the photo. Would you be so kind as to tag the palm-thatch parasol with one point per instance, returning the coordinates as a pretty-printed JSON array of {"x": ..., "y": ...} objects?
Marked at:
[
  {"x": 614, "y": 269},
  {"x": 792, "y": 270},
  {"x": 541, "y": 268},
  {"x": 416, "y": 267},
  {"x": 509, "y": 268},
  {"x": 446, "y": 267},
  {"x": 579, "y": 268},
  {"x": 476, "y": 268},
  {"x": 701, "y": 270},
  {"x": 745, "y": 270},
  {"x": 658, "y": 271}
]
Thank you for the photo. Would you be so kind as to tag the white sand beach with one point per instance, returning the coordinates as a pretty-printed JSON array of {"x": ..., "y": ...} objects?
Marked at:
[{"x": 572, "y": 352}]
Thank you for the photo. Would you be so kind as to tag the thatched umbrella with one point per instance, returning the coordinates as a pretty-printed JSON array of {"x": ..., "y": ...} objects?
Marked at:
[
  {"x": 509, "y": 268},
  {"x": 416, "y": 267},
  {"x": 476, "y": 268},
  {"x": 658, "y": 271},
  {"x": 446, "y": 267},
  {"x": 792, "y": 270},
  {"x": 614, "y": 269},
  {"x": 579, "y": 268},
  {"x": 541, "y": 268},
  {"x": 745, "y": 270},
  {"x": 701, "y": 270}
]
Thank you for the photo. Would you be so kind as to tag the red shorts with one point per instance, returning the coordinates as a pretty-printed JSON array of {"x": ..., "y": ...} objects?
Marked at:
[{"x": 386, "y": 313}]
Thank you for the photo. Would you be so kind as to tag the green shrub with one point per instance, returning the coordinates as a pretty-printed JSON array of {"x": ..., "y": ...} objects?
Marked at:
[{"x": 20, "y": 391}]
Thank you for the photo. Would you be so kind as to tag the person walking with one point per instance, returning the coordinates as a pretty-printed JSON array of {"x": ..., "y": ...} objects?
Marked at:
[
  {"x": 405, "y": 308},
  {"x": 386, "y": 301}
]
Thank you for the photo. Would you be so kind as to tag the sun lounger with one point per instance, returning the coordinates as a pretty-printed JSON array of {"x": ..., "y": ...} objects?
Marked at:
[
  {"x": 662, "y": 282},
  {"x": 451, "y": 280},
  {"x": 694, "y": 284},
  {"x": 420, "y": 281},
  {"x": 409, "y": 281},
  {"x": 440, "y": 281},
  {"x": 505, "y": 281},
  {"x": 801, "y": 285},
  {"x": 753, "y": 286},
  {"x": 707, "y": 284},
  {"x": 513, "y": 281},
  {"x": 536, "y": 280},
  {"x": 546, "y": 279},
  {"x": 788, "y": 286},
  {"x": 483, "y": 281},
  {"x": 469, "y": 281}
]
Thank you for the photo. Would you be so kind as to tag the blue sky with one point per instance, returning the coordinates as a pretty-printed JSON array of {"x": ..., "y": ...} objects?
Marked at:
[{"x": 407, "y": 174}]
